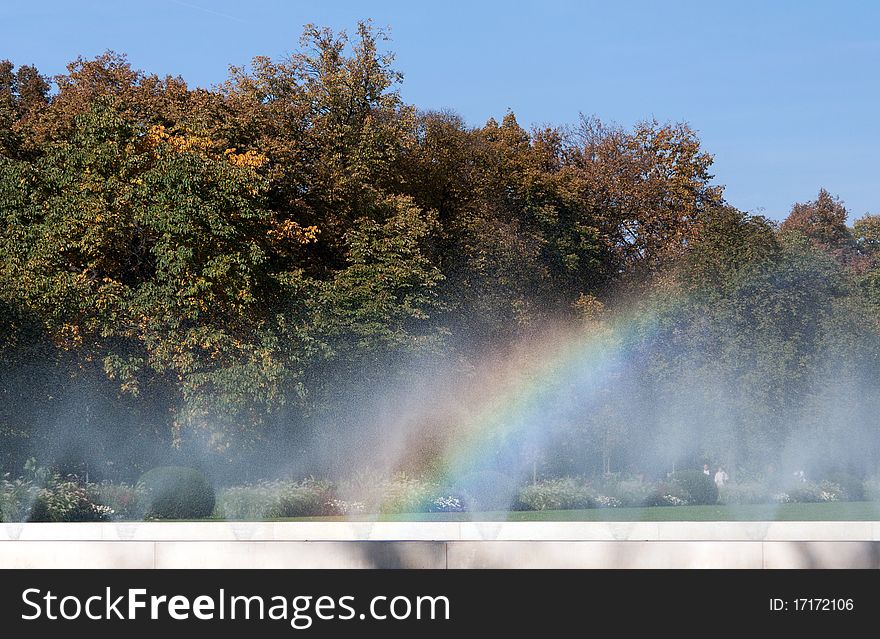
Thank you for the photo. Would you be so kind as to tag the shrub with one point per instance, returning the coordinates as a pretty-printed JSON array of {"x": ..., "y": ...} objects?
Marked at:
[
  {"x": 489, "y": 490},
  {"x": 124, "y": 499},
  {"x": 698, "y": 488},
  {"x": 309, "y": 498},
  {"x": 404, "y": 494},
  {"x": 175, "y": 492},
  {"x": 852, "y": 487},
  {"x": 16, "y": 498},
  {"x": 397, "y": 494},
  {"x": 400, "y": 494},
  {"x": 631, "y": 493},
  {"x": 811, "y": 492},
  {"x": 246, "y": 503},
  {"x": 312, "y": 498},
  {"x": 606, "y": 501},
  {"x": 447, "y": 504},
  {"x": 67, "y": 499},
  {"x": 803, "y": 493},
  {"x": 831, "y": 491},
  {"x": 279, "y": 499},
  {"x": 556, "y": 494},
  {"x": 668, "y": 493},
  {"x": 662, "y": 497},
  {"x": 871, "y": 488},
  {"x": 751, "y": 492},
  {"x": 344, "y": 507}
]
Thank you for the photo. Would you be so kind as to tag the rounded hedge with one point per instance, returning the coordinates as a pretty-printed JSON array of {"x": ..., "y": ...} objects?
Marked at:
[
  {"x": 176, "y": 492},
  {"x": 699, "y": 487}
]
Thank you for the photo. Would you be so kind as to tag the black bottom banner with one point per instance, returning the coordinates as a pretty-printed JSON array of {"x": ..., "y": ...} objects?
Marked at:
[{"x": 432, "y": 603}]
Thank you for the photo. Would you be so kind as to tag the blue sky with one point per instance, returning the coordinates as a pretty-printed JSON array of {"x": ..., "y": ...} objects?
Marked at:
[{"x": 784, "y": 94}]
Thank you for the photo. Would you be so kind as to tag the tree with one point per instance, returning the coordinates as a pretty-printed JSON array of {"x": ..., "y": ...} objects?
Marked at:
[
  {"x": 725, "y": 243},
  {"x": 380, "y": 305},
  {"x": 331, "y": 119},
  {"x": 647, "y": 189},
  {"x": 823, "y": 222},
  {"x": 161, "y": 257},
  {"x": 23, "y": 93},
  {"x": 866, "y": 232},
  {"x": 218, "y": 264}
]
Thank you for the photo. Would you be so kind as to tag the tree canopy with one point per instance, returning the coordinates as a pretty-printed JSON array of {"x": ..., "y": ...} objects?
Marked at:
[{"x": 205, "y": 261}]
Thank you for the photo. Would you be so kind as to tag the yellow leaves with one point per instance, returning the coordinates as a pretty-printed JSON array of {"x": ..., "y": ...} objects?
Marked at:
[
  {"x": 310, "y": 234},
  {"x": 201, "y": 304},
  {"x": 158, "y": 136},
  {"x": 69, "y": 337},
  {"x": 291, "y": 231},
  {"x": 248, "y": 159},
  {"x": 189, "y": 143},
  {"x": 102, "y": 301}
]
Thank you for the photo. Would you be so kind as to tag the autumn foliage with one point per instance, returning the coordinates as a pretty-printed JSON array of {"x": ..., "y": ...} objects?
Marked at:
[{"x": 204, "y": 259}]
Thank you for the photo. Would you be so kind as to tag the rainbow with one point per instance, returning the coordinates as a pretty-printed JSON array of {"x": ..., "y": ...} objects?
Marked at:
[{"x": 557, "y": 371}]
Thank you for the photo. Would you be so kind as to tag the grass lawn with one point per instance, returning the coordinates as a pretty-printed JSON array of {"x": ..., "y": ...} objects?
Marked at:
[{"x": 833, "y": 511}]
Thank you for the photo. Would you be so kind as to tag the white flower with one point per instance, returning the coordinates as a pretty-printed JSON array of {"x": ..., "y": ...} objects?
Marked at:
[
  {"x": 447, "y": 504},
  {"x": 346, "y": 507},
  {"x": 672, "y": 500},
  {"x": 103, "y": 511}
]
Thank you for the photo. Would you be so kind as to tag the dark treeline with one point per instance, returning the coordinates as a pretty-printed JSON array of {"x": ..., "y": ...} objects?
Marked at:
[{"x": 189, "y": 269}]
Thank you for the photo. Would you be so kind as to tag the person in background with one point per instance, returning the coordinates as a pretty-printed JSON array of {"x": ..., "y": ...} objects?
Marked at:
[
  {"x": 720, "y": 477},
  {"x": 706, "y": 470}
]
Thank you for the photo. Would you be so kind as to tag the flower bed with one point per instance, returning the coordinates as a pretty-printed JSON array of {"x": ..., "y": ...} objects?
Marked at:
[{"x": 47, "y": 496}]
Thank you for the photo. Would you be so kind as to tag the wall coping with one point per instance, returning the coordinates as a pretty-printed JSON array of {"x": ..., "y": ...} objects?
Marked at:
[{"x": 446, "y": 531}]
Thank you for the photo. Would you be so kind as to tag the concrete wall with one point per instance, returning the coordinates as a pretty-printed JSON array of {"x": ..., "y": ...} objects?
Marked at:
[{"x": 441, "y": 545}]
